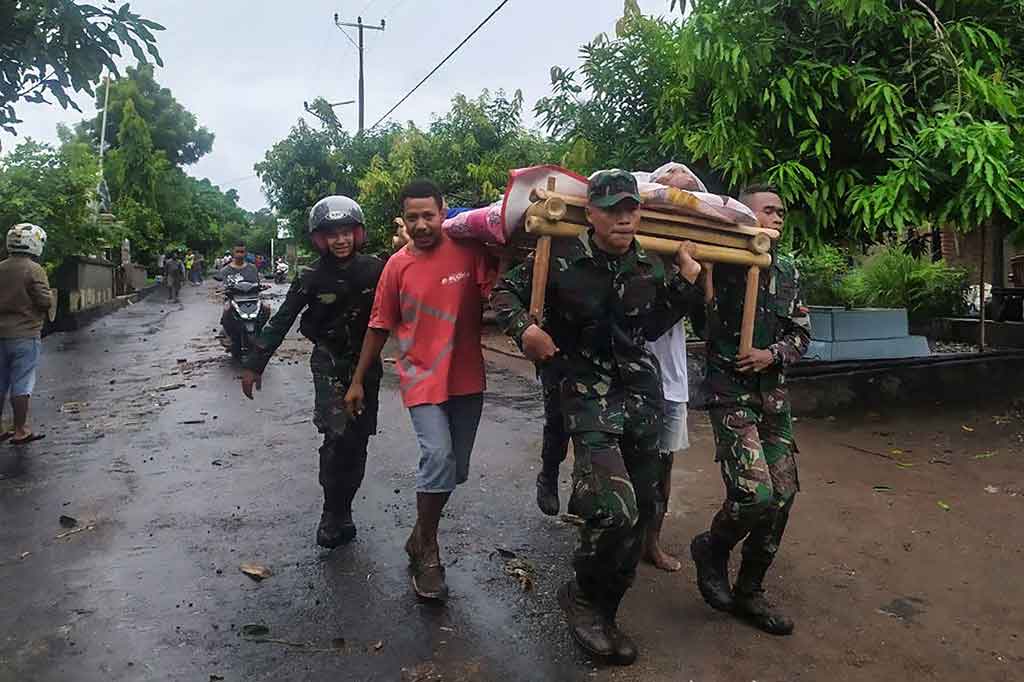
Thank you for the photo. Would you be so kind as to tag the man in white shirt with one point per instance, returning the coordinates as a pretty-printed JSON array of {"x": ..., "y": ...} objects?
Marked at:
[{"x": 670, "y": 349}]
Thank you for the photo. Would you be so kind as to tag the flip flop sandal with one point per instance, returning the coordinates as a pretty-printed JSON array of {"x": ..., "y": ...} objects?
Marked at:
[{"x": 25, "y": 441}]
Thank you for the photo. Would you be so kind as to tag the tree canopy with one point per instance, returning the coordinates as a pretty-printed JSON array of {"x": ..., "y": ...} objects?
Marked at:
[
  {"x": 174, "y": 130},
  {"x": 868, "y": 116},
  {"x": 60, "y": 47},
  {"x": 468, "y": 151}
]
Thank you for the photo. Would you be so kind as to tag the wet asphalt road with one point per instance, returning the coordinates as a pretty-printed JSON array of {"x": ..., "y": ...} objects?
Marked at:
[
  {"x": 175, "y": 480},
  {"x": 906, "y": 572}
]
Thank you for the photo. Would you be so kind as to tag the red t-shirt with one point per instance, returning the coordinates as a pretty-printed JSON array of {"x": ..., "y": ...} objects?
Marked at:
[{"x": 432, "y": 302}]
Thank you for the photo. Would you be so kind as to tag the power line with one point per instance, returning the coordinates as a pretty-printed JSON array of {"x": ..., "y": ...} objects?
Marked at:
[{"x": 443, "y": 62}]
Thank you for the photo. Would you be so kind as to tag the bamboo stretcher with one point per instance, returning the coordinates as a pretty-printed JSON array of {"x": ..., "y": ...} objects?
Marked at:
[{"x": 554, "y": 215}]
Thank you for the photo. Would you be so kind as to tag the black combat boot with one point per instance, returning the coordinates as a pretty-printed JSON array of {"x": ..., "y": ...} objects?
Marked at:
[
  {"x": 625, "y": 651},
  {"x": 712, "y": 562},
  {"x": 336, "y": 528},
  {"x": 586, "y": 623},
  {"x": 547, "y": 492},
  {"x": 750, "y": 604}
]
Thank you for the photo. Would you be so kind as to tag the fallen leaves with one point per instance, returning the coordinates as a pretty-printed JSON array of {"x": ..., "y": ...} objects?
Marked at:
[
  {"x": 991, "y": 489},
  {"x": 256, "y": 571},
  {"x": 943, "y": 506},
  {"x": 255, "y": 630}
]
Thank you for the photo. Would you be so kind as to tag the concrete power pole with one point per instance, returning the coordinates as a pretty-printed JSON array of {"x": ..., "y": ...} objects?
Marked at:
[{"x": 362, "y": 95}]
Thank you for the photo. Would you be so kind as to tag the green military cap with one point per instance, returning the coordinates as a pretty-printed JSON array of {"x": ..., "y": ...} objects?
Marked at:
[{"x": 609, "y": 187}]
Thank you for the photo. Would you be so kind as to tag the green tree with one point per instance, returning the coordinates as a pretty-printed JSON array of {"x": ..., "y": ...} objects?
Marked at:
[
  {"x": 54, "y": 188},
  {"x": 60, "y": 47},
  {"x": 604, "y": 114},
  {"x": 174, "y": 130},
  {"x": 869, "y": 116}
]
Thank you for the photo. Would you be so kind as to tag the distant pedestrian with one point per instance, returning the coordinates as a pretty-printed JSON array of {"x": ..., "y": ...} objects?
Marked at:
[
  {"x": 430, "y": 296},
  {"x": 200, "y": 267},
  {"x": 190, "y": 262},
  {"x": 174, "y": 274},
  {"x": 25, "y": 301}
]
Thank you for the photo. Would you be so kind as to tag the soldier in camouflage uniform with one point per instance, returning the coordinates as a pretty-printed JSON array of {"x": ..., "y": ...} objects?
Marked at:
[
  {"x": 334, "y": 296},
  {"x": 606, "y": 298},
  {"x": 753, "y": 428}
]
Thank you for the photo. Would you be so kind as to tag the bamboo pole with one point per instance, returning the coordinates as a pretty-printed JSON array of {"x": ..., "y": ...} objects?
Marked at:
[
  {"x": 759, "y": 243},
  {"x": 660, "y": 245},
  {"x": 665, "y": 217},
  {"x": 749, "y": 310},
  {"x": 541, "y": 265}
]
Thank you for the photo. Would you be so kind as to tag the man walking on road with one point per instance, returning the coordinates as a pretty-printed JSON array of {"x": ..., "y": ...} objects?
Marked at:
[
  {"x": 606, "y": 298},
  {"x": 25, "y": 301},
  {"x": 753, "y": 427},
  {"x": 174, "y": 273},
  {"x": 335, "y": 296},
  {"x": 431, "y": 297}
]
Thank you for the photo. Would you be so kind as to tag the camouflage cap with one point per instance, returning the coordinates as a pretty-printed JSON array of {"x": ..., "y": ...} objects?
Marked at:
[{"x": 609, "y": 187}]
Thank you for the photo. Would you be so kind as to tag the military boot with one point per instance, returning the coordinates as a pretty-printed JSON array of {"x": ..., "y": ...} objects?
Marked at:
[
  {"x": 625, "y": 651},
  {"x": 750, "y": 604},
  {"x": 712, "y": 564},
  {"x": 586, "y": 623},
  {"x": 547, "y": 492},
  {"x": 336, "y": 528}
]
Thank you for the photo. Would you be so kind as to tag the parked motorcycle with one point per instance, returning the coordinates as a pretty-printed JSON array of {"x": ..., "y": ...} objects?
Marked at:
[{"x": 245, "y": 314}]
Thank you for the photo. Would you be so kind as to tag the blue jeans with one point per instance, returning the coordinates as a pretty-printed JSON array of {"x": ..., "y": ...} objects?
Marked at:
[{"x": 18, "y": 361}]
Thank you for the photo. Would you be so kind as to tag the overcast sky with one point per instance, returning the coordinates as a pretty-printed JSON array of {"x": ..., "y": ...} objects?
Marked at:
[{"x": 245, "y": 67}]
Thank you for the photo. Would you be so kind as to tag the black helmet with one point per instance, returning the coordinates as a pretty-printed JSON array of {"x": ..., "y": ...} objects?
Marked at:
[{"x": 334, "y": 211}]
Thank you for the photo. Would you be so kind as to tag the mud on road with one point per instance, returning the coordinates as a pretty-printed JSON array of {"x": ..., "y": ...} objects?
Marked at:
[{"x": 902, "y": 559}]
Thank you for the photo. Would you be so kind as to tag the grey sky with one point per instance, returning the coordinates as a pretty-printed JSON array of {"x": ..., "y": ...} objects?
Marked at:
[{"x": 245, "y": 67}]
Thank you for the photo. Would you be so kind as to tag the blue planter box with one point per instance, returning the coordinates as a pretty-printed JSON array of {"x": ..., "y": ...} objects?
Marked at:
[{"x": 862, "y": 334}]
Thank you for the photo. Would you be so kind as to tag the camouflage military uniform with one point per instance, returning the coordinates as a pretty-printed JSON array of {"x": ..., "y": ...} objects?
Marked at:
[
  {"x": 602, "y": 310},
  {"x": 750, "y": 413},
  {"x": 556, "y": 440},
  {"x": 335, "y": 301}
]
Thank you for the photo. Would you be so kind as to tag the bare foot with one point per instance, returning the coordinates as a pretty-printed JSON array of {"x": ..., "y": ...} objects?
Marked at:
[{"x": 654, "y": 554}]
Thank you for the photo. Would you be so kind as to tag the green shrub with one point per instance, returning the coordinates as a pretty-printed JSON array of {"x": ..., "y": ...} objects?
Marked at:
[
  {"x": 821, "y": 273},
  {"x": 893, "y": 278}
]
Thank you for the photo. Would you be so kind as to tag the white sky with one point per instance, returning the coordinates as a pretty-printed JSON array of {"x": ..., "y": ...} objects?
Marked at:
[{"x": 245, "y": 67}]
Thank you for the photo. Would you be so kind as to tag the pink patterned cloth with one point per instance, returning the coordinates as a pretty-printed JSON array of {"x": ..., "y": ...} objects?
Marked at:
[{"x": 481, "y": 224}]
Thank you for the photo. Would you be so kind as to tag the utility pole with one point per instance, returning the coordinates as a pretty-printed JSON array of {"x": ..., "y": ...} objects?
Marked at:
[{"x": 362, "y": 95}]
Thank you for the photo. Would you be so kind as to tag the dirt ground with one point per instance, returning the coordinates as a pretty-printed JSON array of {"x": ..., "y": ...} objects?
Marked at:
[{"x": 902, "y": 560}]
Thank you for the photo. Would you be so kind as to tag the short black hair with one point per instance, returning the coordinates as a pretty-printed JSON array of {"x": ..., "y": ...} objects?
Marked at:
[
  {"x": 758, "y": 188},
  {"x": 421, "y": 188},
  {"x": 239, "y": 243}
]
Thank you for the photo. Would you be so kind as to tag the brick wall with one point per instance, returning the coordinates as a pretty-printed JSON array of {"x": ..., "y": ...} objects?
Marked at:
[{"x": 969, "y": 253}]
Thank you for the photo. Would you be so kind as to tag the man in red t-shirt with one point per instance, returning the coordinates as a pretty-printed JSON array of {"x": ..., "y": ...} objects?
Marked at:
[{"x": 431, "y": 297}]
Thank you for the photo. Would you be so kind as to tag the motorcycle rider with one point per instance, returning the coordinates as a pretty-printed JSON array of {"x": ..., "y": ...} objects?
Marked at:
[
  {"x": 334, "y": 296},
  {"x": 238, "y": 269}
]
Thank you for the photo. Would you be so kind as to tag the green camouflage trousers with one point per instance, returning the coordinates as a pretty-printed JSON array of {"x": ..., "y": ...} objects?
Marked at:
[
  {"x": 616, "y": 490},
  {"x": 755, "y": 447},
  {"x": 343, "y": 452}
]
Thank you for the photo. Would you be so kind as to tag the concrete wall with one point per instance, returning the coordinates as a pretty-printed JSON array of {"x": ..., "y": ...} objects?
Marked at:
[{"x": 84, "y": 283}]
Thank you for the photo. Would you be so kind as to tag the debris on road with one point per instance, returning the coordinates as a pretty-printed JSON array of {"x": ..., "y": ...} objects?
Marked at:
[
  {"x": 73, "y": 407},
  {"x": 23, "y": 555},
  {"x": 170, "y": 387},
  {"x": 943, "y": 506},
  {"x": 256, "y": 571},
  {"x": 193, "y": 421},
  {"x": 991, "y": 489},
  {"x": 73, "y": 531},
  {"x": 379, "y": 645},
  {"x": 255, "y": 630},
  {"x": 67, "y": 521}
]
